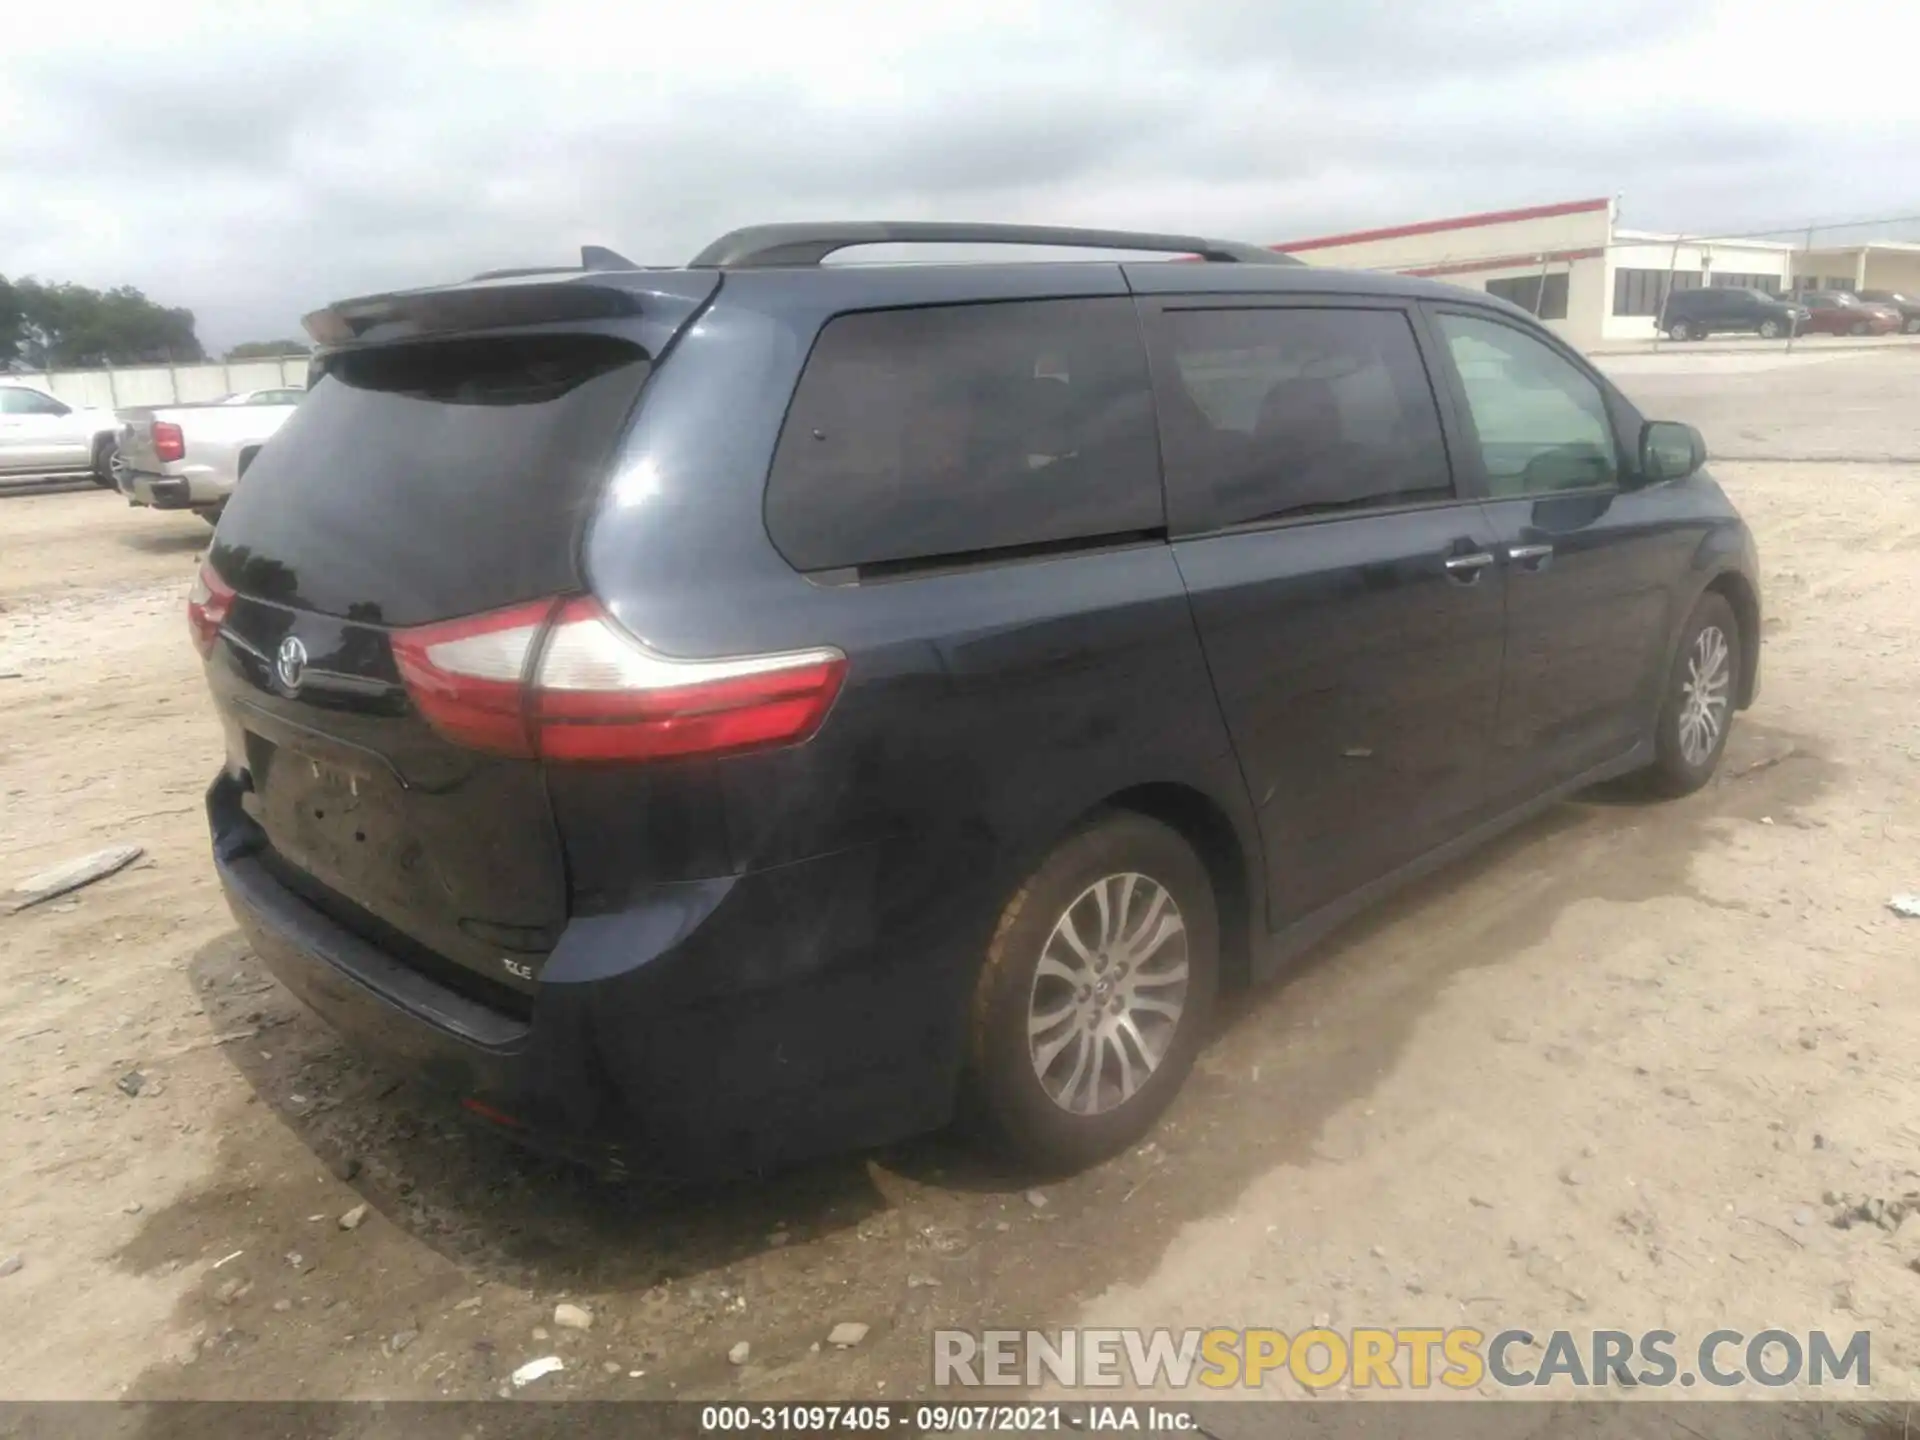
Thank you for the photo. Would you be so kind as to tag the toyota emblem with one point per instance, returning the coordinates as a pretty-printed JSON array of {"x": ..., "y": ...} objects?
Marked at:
[{"x": 291, "y": 663}]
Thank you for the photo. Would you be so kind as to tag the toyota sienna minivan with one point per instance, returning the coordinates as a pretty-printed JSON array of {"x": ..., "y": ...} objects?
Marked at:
[{"x": 703, "y": 717}]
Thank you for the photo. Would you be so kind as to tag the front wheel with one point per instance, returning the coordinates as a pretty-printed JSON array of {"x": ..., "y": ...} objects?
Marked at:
[
  {"x": 1769, "y": 329},
  {"x": 1912, "y": 327},
  {"x": 1680, "y": 330},
  {"x": 1697, "y": 710},
  {"x": 1095, "y": 996},
  {"x": 1859, "y": 327}
]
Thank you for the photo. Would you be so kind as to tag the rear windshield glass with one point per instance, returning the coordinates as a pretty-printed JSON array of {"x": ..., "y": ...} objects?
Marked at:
[
  {"x": 418, "y": 482},
  {"x": 952, "y": 431}
]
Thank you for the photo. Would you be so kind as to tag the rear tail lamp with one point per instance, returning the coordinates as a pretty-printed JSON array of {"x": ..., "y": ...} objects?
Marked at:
[
  {"x": 561, "y": 680},
  {"x": 207, "y": 605},
  {"x": 169, "y": 441}
]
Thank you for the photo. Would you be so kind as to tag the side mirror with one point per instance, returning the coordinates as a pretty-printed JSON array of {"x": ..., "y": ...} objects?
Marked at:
[{"x": 1669, "y": 450}]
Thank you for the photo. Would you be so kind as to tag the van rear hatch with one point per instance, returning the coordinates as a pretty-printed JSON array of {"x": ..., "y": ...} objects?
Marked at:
[{"x": 442, "y": 466}]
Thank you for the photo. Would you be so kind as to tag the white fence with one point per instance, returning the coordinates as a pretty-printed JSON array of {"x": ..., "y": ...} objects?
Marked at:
[{"x": 167, "y": 384}]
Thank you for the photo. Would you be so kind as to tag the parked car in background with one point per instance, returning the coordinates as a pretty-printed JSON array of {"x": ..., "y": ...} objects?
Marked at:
[
  {"x": 289, "y": 396},
  {"x": 1907, "y": 302},
  {"x": 1729, "y": 309},
  {"x": 1835, "y": 312},
  {"x": 190, "y": 457},
  {"x": 711, "y": 716},
  {"x": 41, "y": 433}
]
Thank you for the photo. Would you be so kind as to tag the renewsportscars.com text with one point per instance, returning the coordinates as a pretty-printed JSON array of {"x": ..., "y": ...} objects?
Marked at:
[{"x": 1394, "y": 1359}]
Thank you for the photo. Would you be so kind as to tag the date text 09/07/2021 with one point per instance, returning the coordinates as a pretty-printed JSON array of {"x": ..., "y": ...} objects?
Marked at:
[{"x": 943, "y": 1419}]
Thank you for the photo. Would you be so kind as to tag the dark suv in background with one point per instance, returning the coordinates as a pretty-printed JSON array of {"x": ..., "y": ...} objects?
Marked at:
[
  {"x": 710, "y": 716},
  {"x": 1718, "y": 309}
]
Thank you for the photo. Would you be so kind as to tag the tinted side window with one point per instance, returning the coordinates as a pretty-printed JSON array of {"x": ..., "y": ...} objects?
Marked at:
[
  {"x": 1542, "y": 425},
  {"x": 952, "y": 430},
  {"x": 1266, "y": 413}
]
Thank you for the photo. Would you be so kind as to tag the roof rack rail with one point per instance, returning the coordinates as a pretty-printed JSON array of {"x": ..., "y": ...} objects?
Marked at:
[{"x": 766, "y": 246}]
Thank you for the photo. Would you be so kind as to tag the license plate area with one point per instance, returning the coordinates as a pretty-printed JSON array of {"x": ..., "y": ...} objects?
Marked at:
[{"x": 336, "y": 816}]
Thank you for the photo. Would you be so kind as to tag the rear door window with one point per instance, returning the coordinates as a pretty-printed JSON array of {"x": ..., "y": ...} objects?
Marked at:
[
  {"x": 965, "y": 431},
  {"x": 1274, "y": 413}
]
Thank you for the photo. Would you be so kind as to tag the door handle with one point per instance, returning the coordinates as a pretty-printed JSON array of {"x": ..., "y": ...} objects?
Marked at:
[
  {"x": 1465, "y": 569},
  {"x": 1531, "y": 557}
]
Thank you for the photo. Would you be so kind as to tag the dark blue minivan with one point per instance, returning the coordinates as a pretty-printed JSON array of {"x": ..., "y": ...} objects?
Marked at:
[{"x": 703, "y": 717}]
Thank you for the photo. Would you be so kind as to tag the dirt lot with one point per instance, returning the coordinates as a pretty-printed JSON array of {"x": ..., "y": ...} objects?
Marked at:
[{"x": 1601, "y": 1075}]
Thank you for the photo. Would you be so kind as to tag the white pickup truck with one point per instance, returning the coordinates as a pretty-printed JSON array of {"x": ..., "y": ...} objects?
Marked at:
[
  {"x": 40, "y": 434},
  {"x": 189, "y": 457}
]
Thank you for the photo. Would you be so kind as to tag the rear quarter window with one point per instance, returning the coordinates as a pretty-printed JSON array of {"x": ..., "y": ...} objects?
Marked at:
[{"x": 965, "y": 430}]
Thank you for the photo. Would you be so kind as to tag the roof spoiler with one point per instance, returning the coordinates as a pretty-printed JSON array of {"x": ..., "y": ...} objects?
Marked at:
[
  {"x": 592, "y": 257},
  {"x": 546, "y": 298},
  {"x": 764, "y": 246}
]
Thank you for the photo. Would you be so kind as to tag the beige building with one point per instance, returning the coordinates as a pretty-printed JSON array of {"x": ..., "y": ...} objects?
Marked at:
[
  {"x": 1569, "y": 263},
  {"x": 1878, "y": 265}
]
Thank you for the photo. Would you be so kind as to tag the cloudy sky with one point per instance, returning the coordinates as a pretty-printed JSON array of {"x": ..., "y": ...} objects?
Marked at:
[{"x": 251, "y": 161}]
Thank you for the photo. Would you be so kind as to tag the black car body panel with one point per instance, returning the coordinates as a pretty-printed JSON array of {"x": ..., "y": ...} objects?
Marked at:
[{"x": 743, "y": 959}]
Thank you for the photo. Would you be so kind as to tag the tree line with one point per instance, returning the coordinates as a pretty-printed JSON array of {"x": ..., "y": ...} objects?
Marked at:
[{"x": 61, "y": 326}]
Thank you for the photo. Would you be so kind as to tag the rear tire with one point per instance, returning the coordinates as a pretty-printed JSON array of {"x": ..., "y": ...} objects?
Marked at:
[
  {"x": 1096, "y": 995},
  {"x": 1680, "y": 330},
  {"x": 1859, "y": 327},
  {"x": 1696, "y": 710},
  {"x": 105, "y": 452},
  {"x": 1912, "y": 327}
]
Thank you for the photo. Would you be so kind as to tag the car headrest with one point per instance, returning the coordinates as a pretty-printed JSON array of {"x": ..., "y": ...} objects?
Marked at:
[{"x": 1302, "y": 410}]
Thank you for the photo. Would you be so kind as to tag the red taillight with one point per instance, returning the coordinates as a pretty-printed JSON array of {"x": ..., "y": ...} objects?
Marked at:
[
  {"x": 169, "y": 442},
  {"x": 601, "y": 694},
  {"x": 468, "y": 677},
  {"x": 207, "y": 605}
]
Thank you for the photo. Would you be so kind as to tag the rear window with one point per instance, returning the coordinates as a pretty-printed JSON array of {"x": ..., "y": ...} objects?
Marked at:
[
  {"x": 936, "y": 433},
  {"x": 421, "y": 481}
]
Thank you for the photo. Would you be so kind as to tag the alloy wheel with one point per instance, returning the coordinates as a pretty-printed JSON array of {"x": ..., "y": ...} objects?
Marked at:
[
  {"x": 1109, "y": 993},
  {"x": 1704, "y": 695}
]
